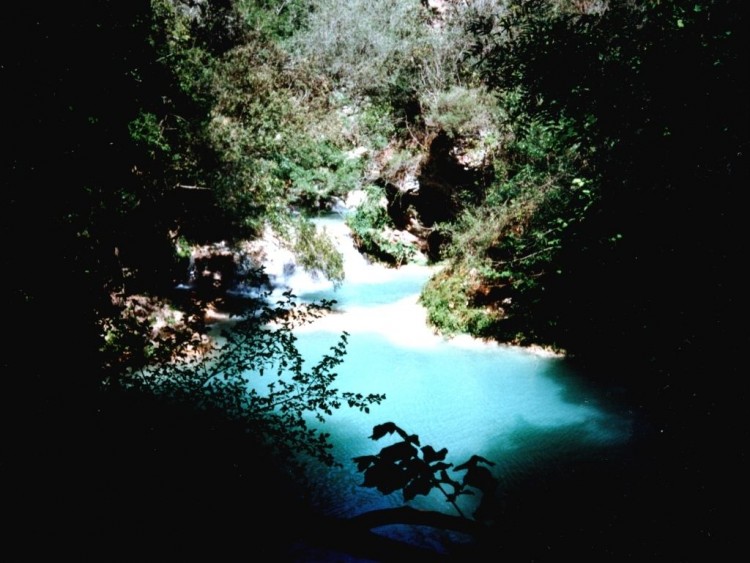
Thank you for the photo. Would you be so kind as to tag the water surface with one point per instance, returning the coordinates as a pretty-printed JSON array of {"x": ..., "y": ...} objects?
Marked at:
[{"x": 507, "y": 404}]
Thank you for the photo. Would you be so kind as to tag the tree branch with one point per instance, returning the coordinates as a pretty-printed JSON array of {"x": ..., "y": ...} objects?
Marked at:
[{"x": 408, "y": 515}]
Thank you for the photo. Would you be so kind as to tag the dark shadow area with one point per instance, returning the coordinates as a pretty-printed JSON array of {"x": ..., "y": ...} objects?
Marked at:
[
  {"x": 579, "y": 386},
  {"x": 126, "y": 478},
  {"x": 638, "y": 501},
  {"x": 445, "y": 185}
]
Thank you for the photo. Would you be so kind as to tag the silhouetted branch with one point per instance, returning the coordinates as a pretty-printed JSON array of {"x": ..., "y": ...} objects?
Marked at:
[{"x": 408, "y": 515}]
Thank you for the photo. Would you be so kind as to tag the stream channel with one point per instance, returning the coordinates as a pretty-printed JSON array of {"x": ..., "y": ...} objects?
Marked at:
[{"x": 513, "y": 406}]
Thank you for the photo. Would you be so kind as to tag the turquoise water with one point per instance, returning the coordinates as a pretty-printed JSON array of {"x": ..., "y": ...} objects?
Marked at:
[
  {"x": 472, "y": 401},
  {"x": 507, "y": 404}
]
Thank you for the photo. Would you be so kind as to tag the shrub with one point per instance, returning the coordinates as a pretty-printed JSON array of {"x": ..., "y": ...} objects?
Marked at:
[
  {"x": 504, "y": 251},
  {"x": 316, "y": 252},
  {"x": 461, "y": 111},
  {"x": 448, "y": 298},
  {"x": 258, "y": 378},
  {"x": 361, "y": 44},
  {"x": 316, "y": 172},
  {"x": 370, "y": 224}
]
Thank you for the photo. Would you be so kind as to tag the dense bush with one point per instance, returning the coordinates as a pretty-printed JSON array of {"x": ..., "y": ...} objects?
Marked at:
[
  {"x": 316, "y": 252},
  {"x": 371, "y": 225},
  {"x": 258, "y": 378},
  {"x": 461, "y": 112},
  {"x": 364, "y": 46},
  {"x": 620, "y": 114}
]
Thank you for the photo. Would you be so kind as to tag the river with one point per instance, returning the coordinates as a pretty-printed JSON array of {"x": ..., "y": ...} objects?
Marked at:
[{"x": 513, "y": 406}]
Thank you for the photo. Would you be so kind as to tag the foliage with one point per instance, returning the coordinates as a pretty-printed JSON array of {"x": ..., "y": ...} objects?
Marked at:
[
  {"x": 258, "y": 133},
  {"x": 275, "y": 19},
  {"x": 276, "y": 136},
  {"x": 371, "y": 224},
  {"x": 371, "y": 125},
  {"x": 181, "y": 111},
  {"x": 652, "y": 91},
  {"x": 146, "y": 330},
  {"x": 503, "y": 251},
  {"x": 371, "y": 215},
  {"x": 362, "y": 45},
  {"x": 401, "y": 466},
  {"x": 317, "y": 172},
  {"x": 449, "y": 298},
  {"x": 146, "y": 130},
  {"x": 258, "y": 377},
  {"x": 316, "y": 251},
  {"x": 453, "y": 45},
  {"x": 461, "y": 112},
  {"x": 251, "y": 110},
  {"x": 613, "y": 117}
]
